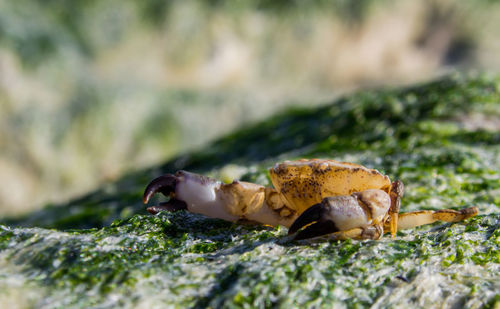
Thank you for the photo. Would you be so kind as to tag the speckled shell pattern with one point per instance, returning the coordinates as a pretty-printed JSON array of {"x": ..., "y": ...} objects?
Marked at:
[{"x": 306, "y": 182}]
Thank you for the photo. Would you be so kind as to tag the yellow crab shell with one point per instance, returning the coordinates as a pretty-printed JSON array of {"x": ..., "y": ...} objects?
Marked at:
[{"x": 306, "y": 182}]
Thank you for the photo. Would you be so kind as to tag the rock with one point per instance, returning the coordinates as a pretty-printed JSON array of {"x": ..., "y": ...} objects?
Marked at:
[{"x": 103, "y": 249}]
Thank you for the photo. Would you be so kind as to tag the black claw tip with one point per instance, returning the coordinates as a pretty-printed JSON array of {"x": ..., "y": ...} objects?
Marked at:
[
  {"x": 312, "y": 214},
  {"x": 164, "y": 184},
  {"x": 172, "y": 205},
  {"x": 315, "y": 223},
  {"x": 153, "y": 210},
  {"x": 316, "y": 229}
]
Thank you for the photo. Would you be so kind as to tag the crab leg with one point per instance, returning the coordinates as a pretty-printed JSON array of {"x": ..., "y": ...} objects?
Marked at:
[
  {"x": 412, "y": 219},
  {"x": 396, "y": 193},
  {"x": 231, "y": 202}
]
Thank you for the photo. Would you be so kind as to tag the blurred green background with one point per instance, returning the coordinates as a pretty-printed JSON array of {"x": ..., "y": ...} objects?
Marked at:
[{"x": 90, "y": 89}]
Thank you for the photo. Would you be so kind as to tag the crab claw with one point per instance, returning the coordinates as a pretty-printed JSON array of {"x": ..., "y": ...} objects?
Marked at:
[
  {"x": 193, "y": 192},
  {"x": 166, "y": 185},
  {"x": 172, "y": 205},
  {"x": 315, "y": 221},
  {"x": 360, "y": 212},
  {"x": 236, "y": 201}
]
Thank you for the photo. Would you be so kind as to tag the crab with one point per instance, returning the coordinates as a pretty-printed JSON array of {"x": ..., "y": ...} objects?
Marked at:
[{"x": 311, "y": 197}]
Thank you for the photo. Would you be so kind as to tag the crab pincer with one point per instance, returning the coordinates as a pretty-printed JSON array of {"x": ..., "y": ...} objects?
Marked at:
[
  {"x": 193, "y": 192},
  {"x": 165, "y": 184},
  {"x": 316, "y": 221},
  {"x": 359, "y": 215}
]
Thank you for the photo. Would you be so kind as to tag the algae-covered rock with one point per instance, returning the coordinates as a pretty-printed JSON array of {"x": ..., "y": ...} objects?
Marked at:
[{"x": 442, "y": 139}]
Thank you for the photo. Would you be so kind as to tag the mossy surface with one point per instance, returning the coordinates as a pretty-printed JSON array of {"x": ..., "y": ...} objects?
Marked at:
[{"x": 441, "y": 139}]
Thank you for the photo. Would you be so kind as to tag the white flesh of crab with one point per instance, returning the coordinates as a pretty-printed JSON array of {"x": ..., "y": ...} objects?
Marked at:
[
  {"x": 232, "y": 202},
  {"x": 203, "y": 198}
]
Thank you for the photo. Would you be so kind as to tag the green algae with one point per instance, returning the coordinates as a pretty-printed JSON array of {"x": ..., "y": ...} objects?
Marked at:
[
  {"x": 104, "y": 249},
  {"x": 244, "y": 267}
]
